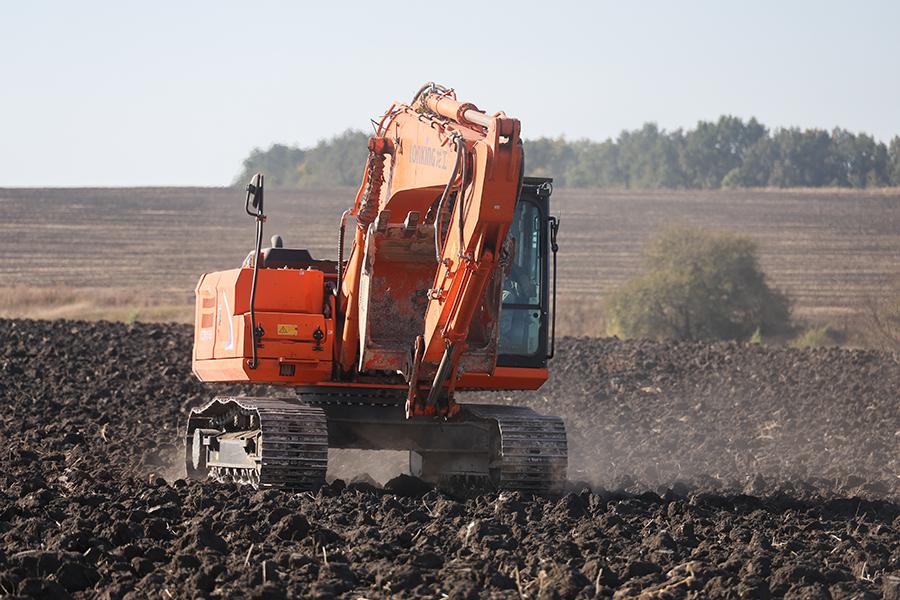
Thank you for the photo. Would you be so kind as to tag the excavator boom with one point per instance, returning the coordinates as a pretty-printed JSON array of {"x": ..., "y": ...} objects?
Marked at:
[{"x": 440, "y": 190}]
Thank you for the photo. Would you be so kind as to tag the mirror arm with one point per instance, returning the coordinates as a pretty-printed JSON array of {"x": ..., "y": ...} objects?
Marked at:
[{"x": 255, "y": 198}]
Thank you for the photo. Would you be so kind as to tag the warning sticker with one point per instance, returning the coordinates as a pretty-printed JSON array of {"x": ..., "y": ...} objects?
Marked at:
[{"x": 287, "y": 330}]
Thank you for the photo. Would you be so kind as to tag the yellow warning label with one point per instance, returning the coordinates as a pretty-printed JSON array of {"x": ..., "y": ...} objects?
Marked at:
[{"x": 287, "y": 330}]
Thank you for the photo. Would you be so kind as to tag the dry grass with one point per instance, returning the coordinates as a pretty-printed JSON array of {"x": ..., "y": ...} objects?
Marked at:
[
  {"x": 91, "y": 304},
  {"x": 580, "y": 316},
  {"x": 576, "y": 316}
]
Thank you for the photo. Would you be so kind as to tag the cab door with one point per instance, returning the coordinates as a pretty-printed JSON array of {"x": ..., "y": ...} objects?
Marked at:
[{"x": 524, "y": 310}]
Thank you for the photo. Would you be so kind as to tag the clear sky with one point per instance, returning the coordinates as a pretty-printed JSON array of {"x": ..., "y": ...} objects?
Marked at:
[{"x": 178, "y": 93}]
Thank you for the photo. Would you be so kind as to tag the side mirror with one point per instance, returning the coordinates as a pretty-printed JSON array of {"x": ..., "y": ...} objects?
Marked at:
[{"x": 255, "y": 196}]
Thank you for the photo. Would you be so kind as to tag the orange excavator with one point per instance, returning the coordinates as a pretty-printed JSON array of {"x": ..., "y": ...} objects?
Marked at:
[{"x": 446, "y": 288}]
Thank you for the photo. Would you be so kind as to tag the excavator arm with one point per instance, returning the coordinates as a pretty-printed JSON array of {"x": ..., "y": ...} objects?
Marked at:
[{"x": 436, "y": 202}]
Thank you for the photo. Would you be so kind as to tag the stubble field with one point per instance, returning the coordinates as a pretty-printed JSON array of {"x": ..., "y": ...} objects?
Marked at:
[{"x": 137, "y": 253}]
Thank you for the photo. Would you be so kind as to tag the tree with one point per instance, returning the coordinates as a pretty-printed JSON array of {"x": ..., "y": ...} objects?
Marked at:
[
  {"x": 648, "y": 158},
  {"x": 339, "y": 161},
  {"x": 803, "y": 159},
  {"x": 894, "y": 158},
  {"x": 336, "y": 162},
  {"x": 593, "y": 165},
  {"x": 547, "y": 157},
  {"x": 698, "y": 285},
  {"x": 713, "y": 150},
  {"x": 858, "y": 160},
  {"x": 756, "y": 167},
  {"x": 279, "y": 163}
]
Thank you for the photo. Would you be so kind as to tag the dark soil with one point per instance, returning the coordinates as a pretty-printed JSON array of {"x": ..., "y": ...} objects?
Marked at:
[
  {"x": 727, "y": 417},
  {"x": 716, "y": 471}
]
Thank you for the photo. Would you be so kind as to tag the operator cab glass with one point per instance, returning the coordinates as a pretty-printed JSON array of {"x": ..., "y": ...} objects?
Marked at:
[{"x": 524, "y": 310}]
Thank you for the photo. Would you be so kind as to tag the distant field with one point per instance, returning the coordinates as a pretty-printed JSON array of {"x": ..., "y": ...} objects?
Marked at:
[{"x": 136, "y": 253}]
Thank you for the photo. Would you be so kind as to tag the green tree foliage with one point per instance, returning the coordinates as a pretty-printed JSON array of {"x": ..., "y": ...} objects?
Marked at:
[
  {"x": 713, "y": 150},
  {"x": 649, "y": 158},
  {"x": 698, "y": 285},
  {"x": 279, "y": 164},
  {"x": 894, "y": 158},
  {"x": 335, "y": 162},
  {"x": 815, "y": 158},
  {"x": 729, "y": 152}
]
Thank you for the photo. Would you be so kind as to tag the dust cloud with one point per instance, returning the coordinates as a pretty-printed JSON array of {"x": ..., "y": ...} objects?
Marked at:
[{"x": 650, "y": 416}]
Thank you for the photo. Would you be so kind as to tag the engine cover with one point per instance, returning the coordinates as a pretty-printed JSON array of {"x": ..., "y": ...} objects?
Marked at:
[{"x": 296, "y": 340}]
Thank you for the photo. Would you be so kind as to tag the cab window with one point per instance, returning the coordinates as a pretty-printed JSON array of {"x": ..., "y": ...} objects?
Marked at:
[{"x": 520, "y": 313}]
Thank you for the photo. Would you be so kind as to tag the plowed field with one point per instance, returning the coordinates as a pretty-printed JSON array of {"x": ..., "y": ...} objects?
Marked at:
[{"x": 696, "y": 471}]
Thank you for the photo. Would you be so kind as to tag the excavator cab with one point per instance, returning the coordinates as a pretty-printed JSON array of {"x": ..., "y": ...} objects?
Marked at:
[{"x": 525, "y": 313}]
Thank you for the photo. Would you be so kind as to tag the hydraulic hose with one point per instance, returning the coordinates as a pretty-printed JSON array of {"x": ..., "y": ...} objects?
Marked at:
[
  {"x": 439, "y": 221},
  {"x": 461, "y": 195},
  {"x": 430, "y": 87},
  {"x": 340, "y": 265}
]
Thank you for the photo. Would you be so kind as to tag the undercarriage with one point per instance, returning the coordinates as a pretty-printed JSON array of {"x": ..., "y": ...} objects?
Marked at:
[{"x": 283, "y": 442}]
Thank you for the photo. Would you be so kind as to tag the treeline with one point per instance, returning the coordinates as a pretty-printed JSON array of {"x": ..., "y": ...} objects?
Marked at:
[
  {"x": 726, "y": 153},
  {"x": 335, "y": 162}
]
